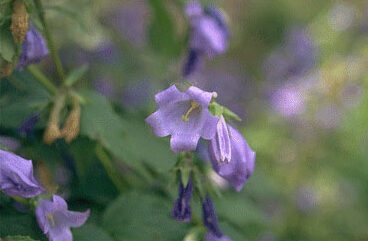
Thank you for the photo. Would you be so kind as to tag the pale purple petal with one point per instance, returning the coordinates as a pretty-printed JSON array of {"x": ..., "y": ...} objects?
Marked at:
[
  {"x": 169, "y": 96},
  {"x": 202, "y": 97},
  {"x": 211, "y": 237},
  {"x": 183, "y": 142},
  {"x": 209, "y": 130},
  {"x": 76, "y": 219},
  {"x": 60, "y": 234},
  {"x": 16, "y": 176},
  {"x": 193, "y": 9},
  {"x": 157, "y": 122},
  {"x": 221, "y": 144}
]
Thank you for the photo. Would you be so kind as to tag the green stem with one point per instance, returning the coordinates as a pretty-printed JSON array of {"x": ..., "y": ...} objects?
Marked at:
[
  {"x": 50, "y": 43},
  {"x": 40, "y": 77},
  {"x": 110, "y": 169}
]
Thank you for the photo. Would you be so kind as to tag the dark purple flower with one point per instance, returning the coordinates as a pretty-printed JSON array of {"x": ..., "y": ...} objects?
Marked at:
[
  {"x": 209, "y": 32},
  {"x": 210, "y": 217},
  {"x": 182, "y": 210},
  {"x": 27, "y": 127},
  {"x": 16, "y": 176},
  {"x": 184, "y": 116},
  {"x": 55, "y": 219},
  {"x": 34, "y": 48},
  {"x": 241, "y": 166},
  {"x": 221, "y": 145},
  {"x": 211, "y": 237},
  {"x": 192, "y": 63}
]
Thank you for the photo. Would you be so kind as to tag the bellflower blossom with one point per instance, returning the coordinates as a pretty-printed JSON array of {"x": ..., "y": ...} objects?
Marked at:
[
  {"x": 211, "y": 237},
  {"x": 182, "y": 210},
  {"x": 210, "y": 217},
  {"x": 241, "y": 166},
  {"x": 34, "y": 48},
  {"x": 16, "y": 176},
  {"x": 184, "y": 116},
  {"x": 55, "y": 219},
  {"x": 209, "y": 34},
  {"x": 221, "y": 145},
  {"x": 27, "y": 127}
]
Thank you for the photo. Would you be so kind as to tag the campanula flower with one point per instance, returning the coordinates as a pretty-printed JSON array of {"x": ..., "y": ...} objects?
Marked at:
[
  {"x": 182, "y": 210},
  {"x": 55, "y": 219},
  {"x": 241, "y": 166},
  {"x": 210, "y": 217},
  {"x": 16, "y": 176},
  {"x": 34, "y": 48},
  {"x": 211, "y": 237},
  {"x": 184, "y": 116},
  {"x": 209, "y": 34},
  {"x": 221, "y": 144}
]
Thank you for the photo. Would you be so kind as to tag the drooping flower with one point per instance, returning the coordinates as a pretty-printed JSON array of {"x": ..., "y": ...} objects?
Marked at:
[
  {"x": 34, "y": 48},
  {"x": 241, "y": 166},
  {"x": 182, "y": 210},
  {"x": 211, "y": 237},
  {"x": 209, "y": 34},
  {"x": 55, "y": 219},
  {"x": 210, "y": 217},
  {"x": 184, "y": 116},
  {"x": 27, "y": 127},
  {"x": 221, "y": 144},
  {"x": 16, "y": 176}
]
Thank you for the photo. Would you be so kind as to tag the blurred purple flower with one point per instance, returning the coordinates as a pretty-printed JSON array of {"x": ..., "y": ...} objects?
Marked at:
[
  {"x": 289, "y": 100},
  {"x": 210, "y": 217},
  {"x": 55, "y": 219},
  {"x": 184, "y": 116},
  {"x": 295, "y": 58},
  {"x": 27, "y": 127},
  {"x": 209, "y": 35},
  {"x": 10, "y": 143},
  {"x": 221, "y": 145},
  {"x": 182, "y": 210},
  {"x": 137, "y": 94},
  {"x": 241, "y": 166},
  {"x": 34, "y": 48},
  {"x": 306, "y": 199},
  {"x": 16, "y": 176},
  {"x": 211, "y": 237},
  {"x": 105, "y": 87},
  {"x": 106, "y": 52}
]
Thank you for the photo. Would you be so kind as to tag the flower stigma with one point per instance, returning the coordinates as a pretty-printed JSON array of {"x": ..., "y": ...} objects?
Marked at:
[
  {"x": 193, "y": 106},
  {"x": 51, "y": 218}
]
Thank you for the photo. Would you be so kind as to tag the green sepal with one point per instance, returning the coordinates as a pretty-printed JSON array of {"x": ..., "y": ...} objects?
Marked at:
[
  {"x": 75, "y": 75},
  {"x": 218, "y": 110}
]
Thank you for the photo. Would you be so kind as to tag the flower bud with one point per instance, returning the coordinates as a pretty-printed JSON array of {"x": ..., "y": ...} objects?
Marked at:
[
  {"x": 52, "y": 133},
  {"x": 6, "y": 69},
  {"x": 19, "y": 25},
  {"x": 71, "y": 127}
]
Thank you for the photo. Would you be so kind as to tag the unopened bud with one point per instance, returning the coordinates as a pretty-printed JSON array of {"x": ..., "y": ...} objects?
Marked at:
[
  {"x": 6, "y": 69},
  {"x": 19, "y": 25},
  {"x": 52, "y": 133},
  {"x": 71, "y": 127}
]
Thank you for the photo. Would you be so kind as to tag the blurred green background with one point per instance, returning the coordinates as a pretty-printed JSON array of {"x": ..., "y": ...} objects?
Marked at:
[{"x": 295, "y": 71}]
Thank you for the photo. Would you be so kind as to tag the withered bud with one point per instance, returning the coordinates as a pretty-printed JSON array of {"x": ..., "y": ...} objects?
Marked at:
[
  {"x": 52, "y": 133},
  {"x": 19, "y": 25},
  {"x": 71, "y": 127},
  {"x": 6, "y": 69}
]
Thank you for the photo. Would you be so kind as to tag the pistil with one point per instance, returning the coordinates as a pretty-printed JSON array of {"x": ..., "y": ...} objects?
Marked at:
[{"x": 193, "y": 105}]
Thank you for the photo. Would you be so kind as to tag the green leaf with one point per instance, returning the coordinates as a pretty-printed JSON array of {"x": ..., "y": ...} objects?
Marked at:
[
  {"x": 75, "y": 75},
  {"x": 161, "y": 31},
  {"x": 18, "y": 238},
  {"x": 7, "y": 46},
  {"x": 140, "y": 217},
  {"x": 131, "y": 141},
  {"x": 90, "y": 232}
]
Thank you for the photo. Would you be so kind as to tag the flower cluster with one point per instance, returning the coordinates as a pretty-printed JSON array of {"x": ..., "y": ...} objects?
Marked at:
[{"x": 16, "y": 179}]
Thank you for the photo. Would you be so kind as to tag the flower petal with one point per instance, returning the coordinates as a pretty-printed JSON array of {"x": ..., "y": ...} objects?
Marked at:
[
  {"x": 202, "y": 97},
  {"x": 183, "y": 142},
  {"x": 169, "y": 96},
  {"x": 158, "y": 123},
  {"x": 75, "y": 219}
]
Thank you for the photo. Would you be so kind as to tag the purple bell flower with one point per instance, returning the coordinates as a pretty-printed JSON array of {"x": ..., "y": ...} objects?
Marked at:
[
  {"x": 211, "y": 237},
  {"x": 210, "y": 217},
  {"x": 241, "y": 166},
  {"x": 184, "y": 116},
  {"x": 16, "y": 176},
  {"x": 34, "y": 48},
  {"x": 182, "y": 210},
  {"x": 221, "y": 144},
  {"x": 55, "y": 219},
  {"x": 209, "y": 35}
]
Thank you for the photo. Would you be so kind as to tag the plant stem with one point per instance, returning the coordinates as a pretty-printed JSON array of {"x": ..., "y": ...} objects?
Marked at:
[
  {"x": 110, "y": 169},
  {"x": 40, "y": 77},
  {"x": 50, "y": 43}
]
